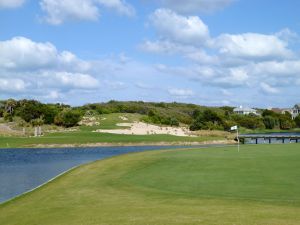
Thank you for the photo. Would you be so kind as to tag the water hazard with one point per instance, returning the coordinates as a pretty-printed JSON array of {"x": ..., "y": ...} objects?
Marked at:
[{"x": 24, "y": 169}]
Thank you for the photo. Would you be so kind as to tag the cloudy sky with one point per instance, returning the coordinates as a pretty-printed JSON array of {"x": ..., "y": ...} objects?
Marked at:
[{"x": 208, "y": 52}]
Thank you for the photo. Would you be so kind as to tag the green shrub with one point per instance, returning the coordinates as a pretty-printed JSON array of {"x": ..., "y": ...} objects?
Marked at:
[{"x": 67, "y": 118}]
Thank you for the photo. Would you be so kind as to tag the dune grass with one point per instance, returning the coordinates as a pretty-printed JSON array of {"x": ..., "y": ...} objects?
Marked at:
[
  {"x": 84, "y": 135},
  {"x": 260, "y": 185}
]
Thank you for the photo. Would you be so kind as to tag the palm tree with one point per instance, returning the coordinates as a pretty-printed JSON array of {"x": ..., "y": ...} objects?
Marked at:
[
  {"x": 10, "y": 105},
  {"x": 37, "y": 124},
  {"x": 23, "y": 124}
]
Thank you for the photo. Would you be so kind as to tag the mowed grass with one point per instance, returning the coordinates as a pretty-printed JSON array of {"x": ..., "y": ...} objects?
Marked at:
[{"x": 260, "y": 185}]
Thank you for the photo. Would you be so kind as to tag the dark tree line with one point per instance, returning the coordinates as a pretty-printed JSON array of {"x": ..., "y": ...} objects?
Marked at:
[
  {"x": 173, "y": 114},
  {"x": 37, "y": 113}
]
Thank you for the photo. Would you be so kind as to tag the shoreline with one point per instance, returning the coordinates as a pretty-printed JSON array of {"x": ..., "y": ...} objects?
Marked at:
[
  {"x": 207, "y": 145},
  {"x": 120, "y": 144}
]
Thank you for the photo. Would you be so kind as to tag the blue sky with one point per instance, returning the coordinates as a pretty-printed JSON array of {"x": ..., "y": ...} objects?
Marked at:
[{"x": 208, "y": 52}]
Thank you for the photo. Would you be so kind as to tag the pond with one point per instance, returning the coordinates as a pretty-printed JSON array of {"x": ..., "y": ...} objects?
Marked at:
[{"x": 22, "y": 170}]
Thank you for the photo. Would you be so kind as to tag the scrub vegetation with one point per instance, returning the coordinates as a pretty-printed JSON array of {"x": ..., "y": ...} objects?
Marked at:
[{"x": 62, "y": 124}]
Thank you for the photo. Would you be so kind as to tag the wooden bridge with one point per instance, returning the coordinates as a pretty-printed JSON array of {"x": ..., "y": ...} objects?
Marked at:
[{"x": 269, "y": 138}]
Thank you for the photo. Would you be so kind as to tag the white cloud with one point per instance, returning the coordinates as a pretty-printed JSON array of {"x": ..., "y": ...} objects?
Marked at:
[
  {"x": 12, "y": 85},
  {"x": 283, "y": 68},
  {"x": 194, "y": 6},
  {"x": 21, "y": 53},
  {"x": 172, "y": 48},
  {"x": 60, "y": 11},
  {"x": 75, "y": 80},
  {"x": 181, "y": 92},
  {"x": 11, "y": 3},
  {"x": 268, "y": 89},
  {"x": 252, "y": 46},
  {"x": 121, "y": 6},
  {"x": 172, "y": 26},
  {"x": 287, "y": 35},
  {"x": 54, "y": 95}
]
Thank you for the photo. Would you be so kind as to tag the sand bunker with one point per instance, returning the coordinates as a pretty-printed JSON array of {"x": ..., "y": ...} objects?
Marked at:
[
  {"x": 89, "y": 121},
  {"x": 139, "y": 128}
]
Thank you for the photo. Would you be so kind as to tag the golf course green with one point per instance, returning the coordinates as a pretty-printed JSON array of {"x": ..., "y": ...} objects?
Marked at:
[{"x": 259, "y": 185}]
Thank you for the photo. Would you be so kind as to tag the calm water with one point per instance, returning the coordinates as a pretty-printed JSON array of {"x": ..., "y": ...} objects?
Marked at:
[{"x": 24, "y": 169}]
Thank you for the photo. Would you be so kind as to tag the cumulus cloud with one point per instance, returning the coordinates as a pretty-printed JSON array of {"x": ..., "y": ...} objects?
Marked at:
[
  {"x": 12, "y": 85},
  {"x": 283, "y": 68},
  {"x": 36, "y": 68},
  {"x": 77, "y": 80},
  {"x": 21, "y": 53},
  {"x": 252, "y": 46},
  {"x": 120, "y": 6},
  {"x": 177, "y": 92},
  {"x": 60, "y": 11},
  {"x": 194, "y": 6},
  {"x": 167, "y": 47},
  {"x": 11, "y": 3},
  {"x": 268, "y": 89},
  {"x": 179, "y": 28}
]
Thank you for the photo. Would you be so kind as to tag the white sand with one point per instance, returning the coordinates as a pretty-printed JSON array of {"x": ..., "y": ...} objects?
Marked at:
[
  {"x": 139, "y": 128},
  {"x": 123, "y": 118},
  {"x": 89, "y": 121}
]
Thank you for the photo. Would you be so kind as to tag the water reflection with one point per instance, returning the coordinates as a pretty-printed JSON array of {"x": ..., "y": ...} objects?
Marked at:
[{"x": 24, "y": 169}]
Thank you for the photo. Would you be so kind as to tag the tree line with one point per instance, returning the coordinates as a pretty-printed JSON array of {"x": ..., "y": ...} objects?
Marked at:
[{"x": 37, "y": 113}]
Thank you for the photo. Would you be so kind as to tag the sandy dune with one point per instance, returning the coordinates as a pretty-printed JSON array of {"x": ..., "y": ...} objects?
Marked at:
[{"x": 139, "y": 128}]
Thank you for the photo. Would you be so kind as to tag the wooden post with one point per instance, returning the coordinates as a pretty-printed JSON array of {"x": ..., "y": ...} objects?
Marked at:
[{"x": 35, "y": 131}]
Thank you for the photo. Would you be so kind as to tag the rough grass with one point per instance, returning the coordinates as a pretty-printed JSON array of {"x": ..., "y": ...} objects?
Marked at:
[
  {"x": 260, "y": 185},
  {"x": 109, "y": 121},
  {"x": 84, "y": 135}
]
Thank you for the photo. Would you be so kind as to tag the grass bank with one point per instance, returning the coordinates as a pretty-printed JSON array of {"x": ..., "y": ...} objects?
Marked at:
[
  {"x": 86, "y": 138},
  {"x": 259, "y": 185}
]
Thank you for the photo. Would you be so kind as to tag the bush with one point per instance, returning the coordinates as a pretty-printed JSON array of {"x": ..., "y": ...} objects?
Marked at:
[
  {"x": 206, "y": 120},
  {"x": 30, "y": 110},
  {"x": 297, "y": 121},
  {"x": 67, "y": 118},
  {"x": 286, "y": 122},
  {"x": 249, "y": 121},
  {"x": 7, "y": 117},
  {"x": 270, "y": 122}
]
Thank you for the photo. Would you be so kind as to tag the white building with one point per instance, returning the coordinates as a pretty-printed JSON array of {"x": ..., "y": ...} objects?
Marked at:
[
  {"x": 296, "y": 111},
  {"x": 244, "y": 111}
]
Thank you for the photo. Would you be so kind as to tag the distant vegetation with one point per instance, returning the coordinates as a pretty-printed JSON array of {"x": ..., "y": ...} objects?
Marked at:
[{"x": 172, "y": 114}]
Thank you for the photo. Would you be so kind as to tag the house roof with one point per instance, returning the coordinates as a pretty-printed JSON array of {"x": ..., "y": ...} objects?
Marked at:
[
  {"x": 277, "y": 110},
  {"x": 244, "y": 109},
  {"x": 297, "y": 106}
]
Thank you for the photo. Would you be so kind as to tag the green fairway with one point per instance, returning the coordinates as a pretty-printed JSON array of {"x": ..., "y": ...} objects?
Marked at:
[{"x": 260, "y": 185}]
